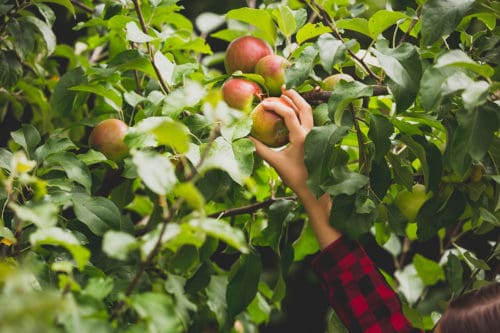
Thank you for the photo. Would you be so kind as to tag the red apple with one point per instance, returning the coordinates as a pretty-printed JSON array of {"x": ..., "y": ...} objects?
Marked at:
[
  {"x": 244, "y": 52},
  {"x": 240, "y": 93},
  {"x": 272, "y": 69},
  {"x": 267, "y": 126},
  {"x": 107, "y": 137}
]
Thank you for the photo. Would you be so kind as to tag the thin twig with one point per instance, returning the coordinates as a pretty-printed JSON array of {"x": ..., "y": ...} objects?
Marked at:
[
  {"x": 318, "y": 96},
  {"x": 249, "y": 209},
  {"x": 82, "y": 6},
  {"x": 325, "y": 17},
  {"x": 363, "y": 159},
  {"x": 147, "y": 262},
  {"x": 144, "y": 28}
]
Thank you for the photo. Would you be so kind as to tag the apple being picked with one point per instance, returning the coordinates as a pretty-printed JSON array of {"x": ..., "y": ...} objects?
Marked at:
[
  {"x": 240, "y": 93},
  {"x": 272, "y": 69},
  {"x": 107, "y": 137},
  {"x": 267, "y": 126},
  {"x": 244, "y": 52}
]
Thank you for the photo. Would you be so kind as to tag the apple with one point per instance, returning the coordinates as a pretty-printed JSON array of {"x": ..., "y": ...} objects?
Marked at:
[
  {"x": 107, "y": 137},
  {"x": 331, "y": 81},
  {"x": 410, "y": 202},
  {"x": 240, "y": 93},
  {"x": 267, "y": 126},
  {"x": 244, "y": 52},
  {"x": 272, "y": 69}
]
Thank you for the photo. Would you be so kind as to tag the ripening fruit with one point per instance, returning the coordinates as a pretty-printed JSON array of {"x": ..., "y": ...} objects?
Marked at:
[
  {"x": 267, "y": 126},
  {"x": 244, "y": 52},
  {"x": 332, "y": 80},
  {"x": 409, "y": 203},
  {"x": 240, "y": 93},
  {"x": 272, "y": 69},
  {"x": 107, "y": 137}
]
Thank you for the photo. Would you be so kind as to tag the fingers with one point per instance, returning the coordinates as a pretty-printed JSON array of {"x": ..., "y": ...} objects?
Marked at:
[
  {"x": 289, "y": 116},
  {"x": 303, "y": 109},
  {"x": 268, "y": 154}
]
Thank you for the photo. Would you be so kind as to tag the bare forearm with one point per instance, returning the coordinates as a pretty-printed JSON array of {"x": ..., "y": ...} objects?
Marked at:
[{"x": 318, "y": 211}]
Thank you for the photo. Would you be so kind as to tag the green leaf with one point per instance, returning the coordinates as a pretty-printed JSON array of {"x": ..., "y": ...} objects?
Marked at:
[
  {"x": 65, "y": 3},
  {"x": 355, "y": 24},
  {"x": 319, "y": 158},
  {"x": 135, "y": 34},
  {"x": 382, "y": 20},
  {"x": 208, "y": 22},
  {"x": 454, "y": 273},
  {"x": 301, "y": 67},
  {"x": 345, "y": 216},
  {"x": 331, "y": 51},
  {"x": 54, "y": 145},
  {"x": 27, "y": 137},
  {"x": 191, "y": 194},
  {"x": 285, "y": 19},
  {"x": 98, "y": 287},
  {"x": 488, "y": 216},
  {"x": 48, "y": 35},
  {"x": 259, "y": 18},
  {"x": 156, "y": 171},
  {"x": 243, "y": 150},
  {"x": 310, "y": 31},
  {"x": 402, "y": 65},
  {"x": 380, "y": 177},
  {"x": 165, "y": 67},
  {"x": 42, "y": 214},
  {"x": 175, "y": 285},
  {"x": 167, "y": 132},
  {"x": 259, "y": 310},
  {"x": 158, "y": 311},
  {"x": 440, "y": 17},
  {"x": 457, "y": 58},
  {"x": 112, "y": 96},
  {"x": 24, "y": 41},
  {"x": 10, "y": 69},
  {"x": 477, "y": 263},
  {"x": 5, "y": 159},
  {"x": 344, "y": 181},
  {"x": 63, "y": 100},
  {"x": 381, "y": 129},
  {"x": 220, "y": 156},
  {"x": 221, "y": 230},
  {"x": 428, "y": 270},
  {"x": 118, "y": 244},
  {"x": 343, "y": 95},
  {"x": 474, "y": 135},
  {"x": 75, "y": 169},
  {"x": 242, "y": 286},
  {"x": 132, "y": 60},
  {"x": 99, "y": 214},
  {"x": 60, "y": 237},
  {"x": 306, "y": 244},
  {"x": 280, "y": 213},
  {"x": 216, "y": 292}
]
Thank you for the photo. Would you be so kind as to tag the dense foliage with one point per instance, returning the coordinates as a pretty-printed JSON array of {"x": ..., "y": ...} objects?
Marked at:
[{"x": 191, "y": 231}]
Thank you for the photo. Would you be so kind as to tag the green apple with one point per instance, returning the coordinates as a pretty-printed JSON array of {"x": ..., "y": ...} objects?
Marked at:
[{"x": 410, "y": 202}]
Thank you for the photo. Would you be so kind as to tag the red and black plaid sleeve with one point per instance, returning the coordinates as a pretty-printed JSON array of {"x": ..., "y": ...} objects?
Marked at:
[{"x": 357, "y": 291}]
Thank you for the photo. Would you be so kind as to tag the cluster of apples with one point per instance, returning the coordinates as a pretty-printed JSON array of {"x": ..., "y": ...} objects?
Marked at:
[{"x": 253, "y": 55}]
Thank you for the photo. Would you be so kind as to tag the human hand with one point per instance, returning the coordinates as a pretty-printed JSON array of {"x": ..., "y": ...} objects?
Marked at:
[{"x": 289, "y": 161}]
